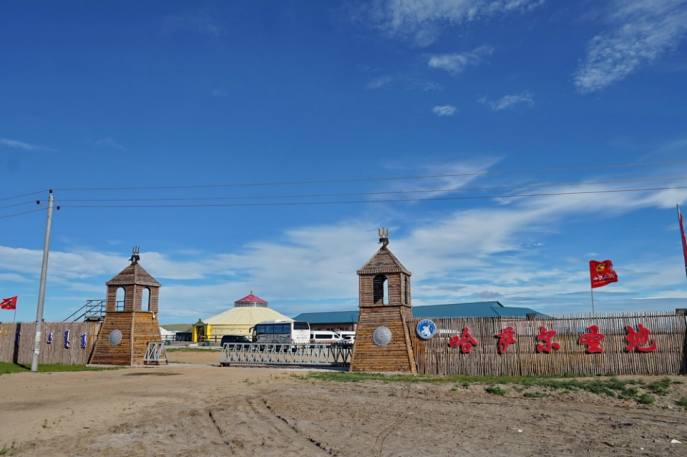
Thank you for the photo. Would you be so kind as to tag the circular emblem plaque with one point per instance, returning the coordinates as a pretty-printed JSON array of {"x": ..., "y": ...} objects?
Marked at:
[
  {"x": 115, "y": 337},
  {"x": 381, "y": 336},
  {"x": 426, "y": 329}
]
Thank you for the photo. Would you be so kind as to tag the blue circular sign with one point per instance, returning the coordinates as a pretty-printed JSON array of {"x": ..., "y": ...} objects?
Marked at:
[{"x": 426, "y": 329}]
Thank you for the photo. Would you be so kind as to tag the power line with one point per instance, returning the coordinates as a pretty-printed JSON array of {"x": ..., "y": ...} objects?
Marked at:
[
  {"x": 335, "y": 181},
  {"x": 377, "y": 201},
  {"x": 25, "y": 212},
  {"x": 459, "y": 189},
  {"x": 23, "y": 195},
  {"x": 17, "y": 204}
]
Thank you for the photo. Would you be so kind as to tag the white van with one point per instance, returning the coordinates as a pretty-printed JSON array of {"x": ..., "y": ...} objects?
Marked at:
[
  {"x": 324, "y": 337},
  {"x": 347, "y": 336}
]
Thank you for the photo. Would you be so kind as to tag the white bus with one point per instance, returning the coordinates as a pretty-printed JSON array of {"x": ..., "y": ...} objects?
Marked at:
[{"x": 281, "y": 331}]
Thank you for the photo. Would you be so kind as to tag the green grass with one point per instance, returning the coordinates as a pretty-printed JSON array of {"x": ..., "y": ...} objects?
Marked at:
[
  {"x": 495, "y": 390},
  {"x": 682, "y": 402},
  {"x": 624, "y": 389},
  {"x": 7, "y": 368},
  {"x": 645, "y": 399}
]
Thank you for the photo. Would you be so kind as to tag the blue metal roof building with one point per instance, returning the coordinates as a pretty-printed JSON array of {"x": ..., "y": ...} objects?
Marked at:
[{"x": 347, "y": 320}]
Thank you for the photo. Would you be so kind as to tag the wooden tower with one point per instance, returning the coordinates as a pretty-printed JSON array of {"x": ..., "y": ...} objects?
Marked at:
[
  {"x": 129, "y": 324},
  {"x": 382, "y": 340}
]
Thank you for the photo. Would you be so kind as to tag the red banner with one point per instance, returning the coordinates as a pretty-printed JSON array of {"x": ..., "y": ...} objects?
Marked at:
[
  {"x": 9, "y": 303},
  {"x": 602, "y": 273},
  {"x": 684, "y": 240}
]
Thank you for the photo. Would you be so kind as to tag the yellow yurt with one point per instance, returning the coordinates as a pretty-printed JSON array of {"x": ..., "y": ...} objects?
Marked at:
[{"x": 246, "y": 312}]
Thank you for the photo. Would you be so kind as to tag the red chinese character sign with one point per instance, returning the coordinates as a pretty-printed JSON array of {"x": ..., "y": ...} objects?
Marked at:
[
  {"x": 593, "y": 340},
  {"x": 602, "y": 273},
  {"x": 465, "y": 341},
  {"x": 546, "y": 338},
  {"x": 505, "y": 339},
  {"x": 639, "y": 340}
]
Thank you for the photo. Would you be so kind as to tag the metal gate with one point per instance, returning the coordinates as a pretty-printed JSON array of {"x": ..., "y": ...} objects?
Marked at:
[
  {"x": 155, "y": 354},
  {"x": 247, "y": 354}
]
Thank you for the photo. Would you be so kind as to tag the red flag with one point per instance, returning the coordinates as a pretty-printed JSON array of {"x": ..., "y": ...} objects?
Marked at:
[
  {"x": 9, "y": 303},
  {"x": 684, "y": 240},
  {"x": 602, "y": 273}
]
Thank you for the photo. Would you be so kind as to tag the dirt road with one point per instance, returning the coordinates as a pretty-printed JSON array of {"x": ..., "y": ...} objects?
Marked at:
[{"x": 199, "y": 409}]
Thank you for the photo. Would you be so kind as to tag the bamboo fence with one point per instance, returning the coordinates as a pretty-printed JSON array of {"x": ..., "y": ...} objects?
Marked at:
[
  {"x": 16, "y": 342},
  {"x": 667, "y": 329}
]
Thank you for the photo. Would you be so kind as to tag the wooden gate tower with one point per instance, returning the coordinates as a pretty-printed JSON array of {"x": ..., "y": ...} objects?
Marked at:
[
  {"x": 129, "y": 326},
  {"x": 382, "y": 340}
]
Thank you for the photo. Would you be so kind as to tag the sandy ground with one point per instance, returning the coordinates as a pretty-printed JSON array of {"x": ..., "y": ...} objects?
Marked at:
[{"x": 197, "y": 408}]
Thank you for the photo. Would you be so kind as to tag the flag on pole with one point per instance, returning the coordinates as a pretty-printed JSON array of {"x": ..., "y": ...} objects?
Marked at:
[
  {"x": 684, "y": 240},
  {"x": 602, "y": 273},
  {"x": 9, "y": 303}
]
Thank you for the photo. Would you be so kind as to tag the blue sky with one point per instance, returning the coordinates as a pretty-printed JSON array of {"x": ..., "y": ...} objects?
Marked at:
[{"x": 261, "y": 105}]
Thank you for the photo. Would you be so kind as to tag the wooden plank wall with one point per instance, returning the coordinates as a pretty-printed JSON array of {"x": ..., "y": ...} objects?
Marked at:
[
  {"x": 54, "y": 352},
  {"x": 667, "y": 329},
  {"x": 394, "y": 357}
]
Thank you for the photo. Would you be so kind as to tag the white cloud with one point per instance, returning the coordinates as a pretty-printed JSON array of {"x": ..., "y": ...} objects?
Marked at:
[
  {"x": 510, "y": 100},
  {"x": 456, "y": 63},
  {"x": 445, "y": 110},
  {"x": 110, "y": 143},
  {"x": 21, "y": 145},
  {"x": 196, "y": 22},
  {"x": 642, "y": 31},
  {"x": 463, "y": 254},
  {"x": 424, "y": 19},
  {"x": 379, "y": 82}
]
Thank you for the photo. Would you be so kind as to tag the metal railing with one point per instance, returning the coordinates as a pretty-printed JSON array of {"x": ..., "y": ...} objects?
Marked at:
[
  {"x": 246, "y": 354},
  {"x": 155, "y": 354},
  {"x": 93, "y": 310}
]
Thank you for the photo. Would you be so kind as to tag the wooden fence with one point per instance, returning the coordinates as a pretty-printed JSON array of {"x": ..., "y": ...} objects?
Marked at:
[
  {"x": 16, "y": 342},
  {"x": 667, "y": 330}
]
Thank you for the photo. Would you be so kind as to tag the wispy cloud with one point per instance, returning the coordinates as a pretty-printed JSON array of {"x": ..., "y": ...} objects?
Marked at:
[
  {"x": 445, "y": 110},
  {"x": 195, "y": 22},
  {"x": 379, "y": 82},
  {"x": 456, "y": 63},
  {"x": 641, "y": 32},
  {"x": 509, "y": 101},
  {"x": 423, "y": 20},
  {"x": 110, "y": 143},
  {"x": 22, "y": 145}
]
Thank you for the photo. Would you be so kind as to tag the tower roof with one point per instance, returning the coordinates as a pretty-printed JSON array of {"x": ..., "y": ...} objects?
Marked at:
[
  {"x": 383, "y": 262},
  {"x": 251, "y": 299},
  {"x": 133, "y": 274}
]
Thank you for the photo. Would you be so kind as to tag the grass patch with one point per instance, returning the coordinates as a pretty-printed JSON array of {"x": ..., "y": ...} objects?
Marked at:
[
  {"x": 7, "y": 368},
  {"x": 682, "y": 402},
  {"x": 625, "y": 389},
  {"x": 645, "y": 399},
  {"x": 533, "y": 395},
  {"x": 495, "y": 390}
]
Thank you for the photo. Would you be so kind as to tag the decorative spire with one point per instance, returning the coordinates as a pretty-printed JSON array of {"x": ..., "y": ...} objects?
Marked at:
[
  {"x": 383, "y": 236},
  {"x": 134, "y": 256}
]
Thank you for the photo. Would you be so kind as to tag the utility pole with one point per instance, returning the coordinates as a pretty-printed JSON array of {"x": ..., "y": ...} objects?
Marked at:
[{"x": 41, "y": 292}]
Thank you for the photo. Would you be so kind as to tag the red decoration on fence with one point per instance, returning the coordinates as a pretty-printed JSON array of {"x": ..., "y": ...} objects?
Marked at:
[
  {"x": 465, "y": 341},
  {"x": 506, "y": 338},
  {"x": 592, "y": 339},
  {"x": 639, "y": 340},
  {"x": 546, "y": 336}
]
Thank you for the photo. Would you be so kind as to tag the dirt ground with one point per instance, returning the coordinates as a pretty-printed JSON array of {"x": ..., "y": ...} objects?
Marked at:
[{"x": 199, "y": 408}]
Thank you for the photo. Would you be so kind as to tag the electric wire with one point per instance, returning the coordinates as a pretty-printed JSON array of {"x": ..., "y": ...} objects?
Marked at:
[
  {"x": 459, "y": 189},
  {"x": 338, "y": 181},
  {"x": 25, "y": 212},
  {"x": 17, "y": 204},
  {"x": 23, "y": 195},
  {"x": 378, "y": 201}
]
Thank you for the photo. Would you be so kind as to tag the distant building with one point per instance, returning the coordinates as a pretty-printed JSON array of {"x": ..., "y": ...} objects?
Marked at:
[
  {"x": 348, "y": 320},
  {"x": 238, "y": 320}
]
